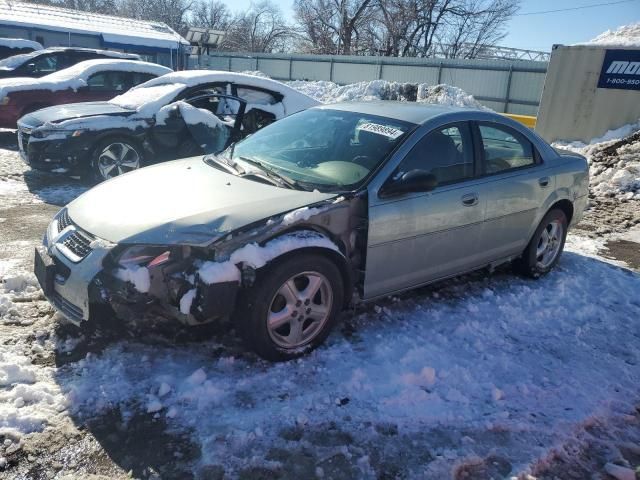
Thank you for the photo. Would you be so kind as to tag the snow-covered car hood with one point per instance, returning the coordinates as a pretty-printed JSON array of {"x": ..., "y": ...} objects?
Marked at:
[
  {"x": 180, "y": 202},
  {"x": 60, "y": 113}
]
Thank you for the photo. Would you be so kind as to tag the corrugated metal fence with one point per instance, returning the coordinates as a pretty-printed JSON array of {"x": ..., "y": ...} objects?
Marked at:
[{"x": 511, "y": 86}]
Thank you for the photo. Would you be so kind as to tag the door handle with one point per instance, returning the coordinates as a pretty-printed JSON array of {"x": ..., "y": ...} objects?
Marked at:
[
  {"x": 470, "y": 199},
  {"x": 544, "y": 181}
]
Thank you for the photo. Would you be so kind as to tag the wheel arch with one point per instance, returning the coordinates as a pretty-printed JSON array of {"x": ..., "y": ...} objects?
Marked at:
[
  {"x": 336, "y": 257},
  {"x": 566, "y": 206}
]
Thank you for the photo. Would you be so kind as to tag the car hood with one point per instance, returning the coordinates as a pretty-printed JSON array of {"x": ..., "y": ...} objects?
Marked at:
[
  {"x": 181, "y": 202},
  {"x": 60, "y": 113}
]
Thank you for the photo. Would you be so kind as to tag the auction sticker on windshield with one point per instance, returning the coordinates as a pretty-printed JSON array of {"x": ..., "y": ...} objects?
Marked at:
[{"x": 390, "y": 132}]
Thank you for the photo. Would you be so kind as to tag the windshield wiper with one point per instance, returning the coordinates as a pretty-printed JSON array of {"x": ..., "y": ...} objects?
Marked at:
[
  {"x": 214, "y": 161},
  {"x": 271, "y": 173}
]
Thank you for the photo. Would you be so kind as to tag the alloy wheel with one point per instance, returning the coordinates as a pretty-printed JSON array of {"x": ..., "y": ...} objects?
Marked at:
[
  {"x": 116, "y": 159},
  {"x": 299, "y": 310},
  {"x": 549, "y": 244}
]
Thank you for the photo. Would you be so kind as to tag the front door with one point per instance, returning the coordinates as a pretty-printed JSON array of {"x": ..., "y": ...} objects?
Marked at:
[{"x": 417, "y": 238}]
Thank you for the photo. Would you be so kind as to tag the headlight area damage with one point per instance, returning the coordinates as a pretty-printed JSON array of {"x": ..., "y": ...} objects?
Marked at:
[{"x": 200, "y": 284}]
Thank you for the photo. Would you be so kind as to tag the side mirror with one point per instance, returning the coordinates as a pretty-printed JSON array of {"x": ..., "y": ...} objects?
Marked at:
[
  {"x": 413, "y": 181},
  {"x": 31, "y": 67}
]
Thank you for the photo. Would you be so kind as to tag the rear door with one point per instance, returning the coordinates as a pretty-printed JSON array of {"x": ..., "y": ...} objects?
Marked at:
[
  {"x": 104, "y": 86},
  {"x": 518, "y": 183},
  {"x": 420, "y": 237}
]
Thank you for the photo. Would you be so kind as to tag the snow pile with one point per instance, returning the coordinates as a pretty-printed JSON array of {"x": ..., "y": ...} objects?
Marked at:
[
  {"x": 614, "y": 161},
  {"x": 29, "y": 398},
  {"x": 15, "y": 285},
  {"x": 137, "y": 276},
  {"x": 485, "y": 359},
  {"x": 329, "y": 92},
  {"x": 76, "y": 76},
  {"x": 444, "y": 94},
  {"x": 257, "y": 256},
  {"x": 301, "y": 214},
  {"x": 624, "y": 36}
]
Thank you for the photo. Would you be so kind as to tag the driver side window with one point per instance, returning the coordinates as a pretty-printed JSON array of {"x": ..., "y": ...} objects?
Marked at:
[
  {"x": 44, "y": 64},
  {"x": 446, "y": 153}
]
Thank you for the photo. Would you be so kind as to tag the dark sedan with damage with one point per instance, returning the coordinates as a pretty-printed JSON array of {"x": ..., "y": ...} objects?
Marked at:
[
  {"x": 175, "y": 116},
  {"x": 332, "y": 205}
]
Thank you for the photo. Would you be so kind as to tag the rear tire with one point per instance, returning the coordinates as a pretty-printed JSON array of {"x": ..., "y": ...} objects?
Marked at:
[
  {"x": 545, "y": 247},
  {"x": 113, "y": 157},
  {"x": 292, "y": 306}
]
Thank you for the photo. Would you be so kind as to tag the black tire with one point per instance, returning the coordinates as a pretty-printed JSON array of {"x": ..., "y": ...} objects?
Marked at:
[
  {"x": 255, "y": 305},
  {"x": 530, "y": 263},
  {"x": 94, "y": 173}
]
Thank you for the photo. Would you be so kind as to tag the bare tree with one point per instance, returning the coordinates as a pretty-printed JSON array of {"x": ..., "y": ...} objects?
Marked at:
[
  {"x": 333, "y": 24},
  {"x": 211, "y": 14},
  {"x": 171, "y": 12},
  {"x": 480, "y": 25},
  {"x": 261, "y": 29}
]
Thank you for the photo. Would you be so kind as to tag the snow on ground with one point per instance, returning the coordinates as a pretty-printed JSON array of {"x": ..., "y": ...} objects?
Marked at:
[
  {"x": 484, "y": 367},
  {"x": 19, "y": 185},
  {"x": 624, "y": 36}
]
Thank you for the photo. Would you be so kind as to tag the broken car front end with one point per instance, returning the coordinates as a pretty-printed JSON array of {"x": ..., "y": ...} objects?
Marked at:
[{"x": 143, "y": 285}]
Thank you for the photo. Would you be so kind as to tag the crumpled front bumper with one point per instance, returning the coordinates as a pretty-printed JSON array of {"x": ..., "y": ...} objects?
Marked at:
[{"x": 69, "y": 280}]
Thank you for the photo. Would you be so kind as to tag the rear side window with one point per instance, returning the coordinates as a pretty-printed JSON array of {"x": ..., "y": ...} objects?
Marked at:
[
  {"x": 504, "y": 149},
  {"x": 253, "y": 96},
  {"x": 108, "y": 82},
  {"x": 446, "y": 153},
  {"x": 138, "y": 78}
]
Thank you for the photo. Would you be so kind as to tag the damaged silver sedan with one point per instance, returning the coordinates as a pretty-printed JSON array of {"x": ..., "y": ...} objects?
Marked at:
[{"x": 333, "y": 205}]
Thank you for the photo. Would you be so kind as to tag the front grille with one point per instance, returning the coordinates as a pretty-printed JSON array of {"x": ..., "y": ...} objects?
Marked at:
[
  {"x": 78, "y": 243},
  {"x": 63, "y": 220},
  {"x": 70, "y": 310}
]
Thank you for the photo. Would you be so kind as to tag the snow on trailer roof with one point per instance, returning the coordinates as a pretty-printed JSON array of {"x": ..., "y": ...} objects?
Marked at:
[
  {"x": 114, "y": 30},
  {"x": 150, "y": 96},
  {"x": 76, "y": 76},
  {"x": 624, "y": 36},
  {"x": 19, "y": 43}
]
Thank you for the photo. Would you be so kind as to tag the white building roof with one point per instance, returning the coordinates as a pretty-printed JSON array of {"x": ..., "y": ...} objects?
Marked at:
[{"x": 114, "y": 30}]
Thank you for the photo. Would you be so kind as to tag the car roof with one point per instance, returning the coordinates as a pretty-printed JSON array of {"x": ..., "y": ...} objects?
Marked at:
[
  {"x": 414, "y": 112},
  {"x": 110, "y": 53}
]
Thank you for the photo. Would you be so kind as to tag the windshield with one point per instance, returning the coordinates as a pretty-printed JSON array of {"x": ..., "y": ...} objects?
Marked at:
[
  {"x": 331, "y": 150},
  {"x": 14, "y": 62}
]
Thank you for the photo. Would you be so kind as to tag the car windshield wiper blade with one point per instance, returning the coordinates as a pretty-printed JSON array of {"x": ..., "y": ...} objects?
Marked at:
[
  {"x": 271, "y": 173},
  {"x": 214, "y": 159}
]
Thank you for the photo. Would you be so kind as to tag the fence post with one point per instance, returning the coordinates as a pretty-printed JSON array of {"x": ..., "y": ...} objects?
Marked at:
[
  {"x": 257, "y": 62},
  {"x": 508, "y": 93},
  {"x": 331, "y": 70},
  {"x": 439, "y": 74},
  {"x": 380, "y": 70},
  {"x": 229, "y": 63},
  {"x": 290, "y": 67}
]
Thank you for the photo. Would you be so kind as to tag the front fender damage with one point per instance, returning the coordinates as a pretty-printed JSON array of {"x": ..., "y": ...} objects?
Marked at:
[{"x": 199, "y": 285}]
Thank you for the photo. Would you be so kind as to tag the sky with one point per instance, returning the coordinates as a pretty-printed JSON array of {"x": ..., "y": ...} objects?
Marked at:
[{"x": 540, "y": 32}]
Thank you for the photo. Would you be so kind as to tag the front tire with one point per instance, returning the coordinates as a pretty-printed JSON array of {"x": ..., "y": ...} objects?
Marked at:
[
  {"x": 545, "y": 247},
  {"x": 113, "y": 157},
  {"x": 292, "y": 306}
]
